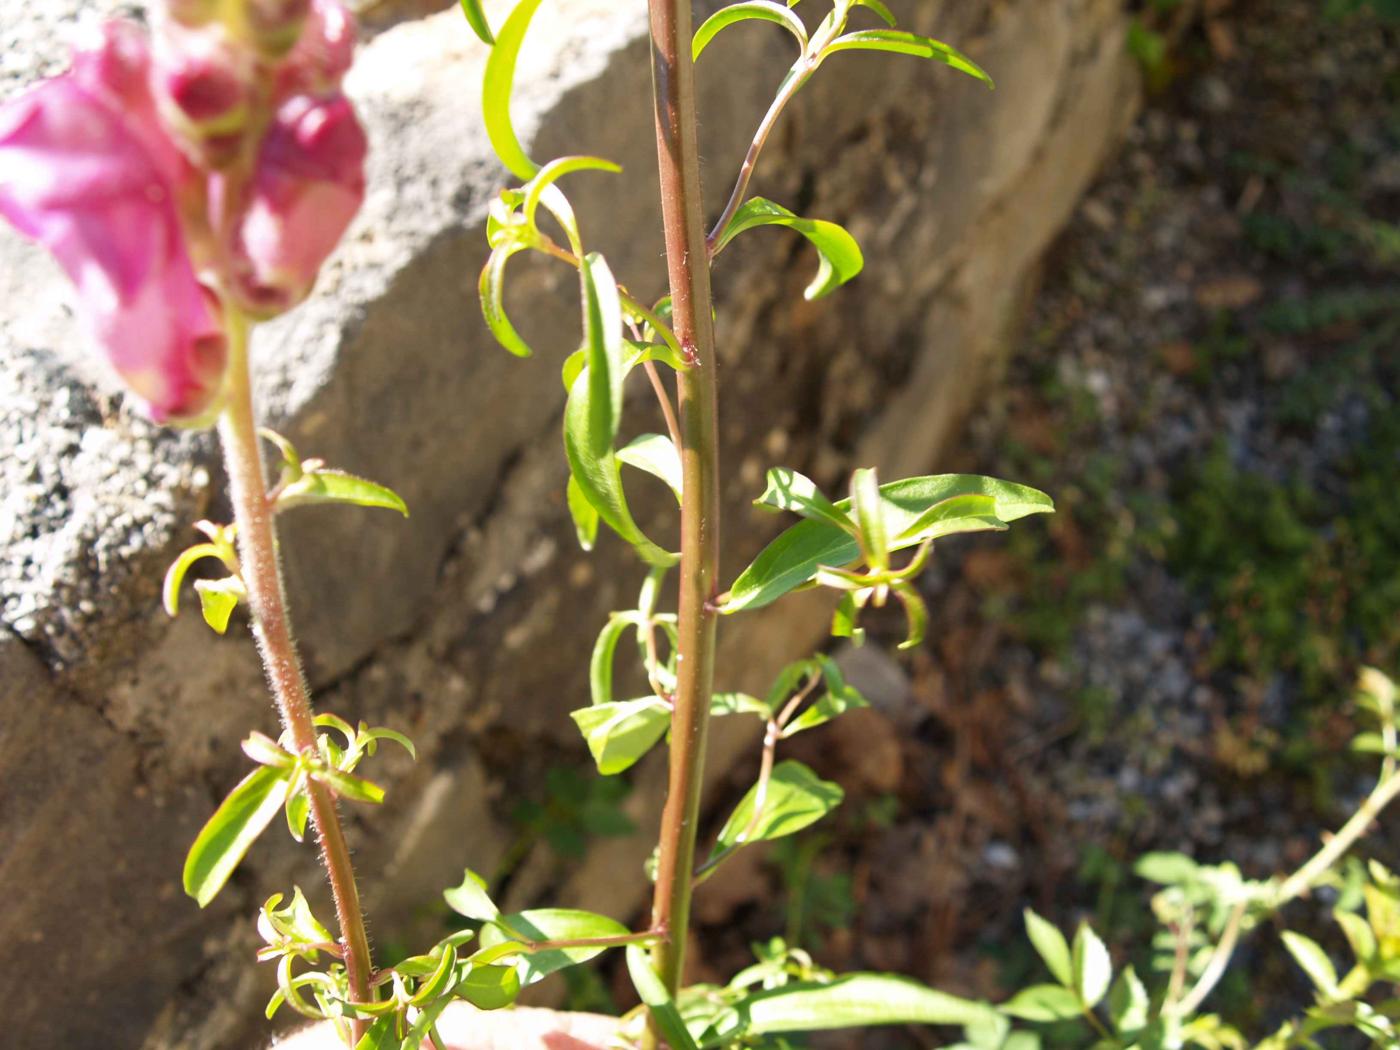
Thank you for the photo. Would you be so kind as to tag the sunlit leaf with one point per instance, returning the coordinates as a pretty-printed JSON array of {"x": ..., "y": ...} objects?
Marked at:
[
  {"x": 856, "y": 1000},
  {"x": 738, "y": 704},
  {"x": 175, "y": 575},
  {"x": 550, "y": 924},
  {"x": 218, "y": 599},
  {"x": 490, "y": 987},
  {"x": 838, "y": 699},
  {"x": 493, "y": 291},
  {"x": 765, "y": 10},
  {"x": 789, "y": 490},
  {"x": 840, "y": 255},
  {"x": 471, "y": 899},
  {"x": 1051, "y": 945},
  {"x": 1043, "y": 1002},
  {"x": 867, "y": 507},
  {"x": 795, "y": 556},
  {"x": 584, "y": 516},
  {"x": 619, "y": 734},
  {"x": 1128, "y": 1003},
  {"x": 651, "y": 989},
  {"x": 796, "y": 798},
  {"x": 903, "y": 43},
  {"x": 233, "y": 828},
  {"x": 1309, "y": 955},
  {"x": 496, "y": 91},
  {"x": 476, "y": 18},
  {"x": 336, "y": 486},
  {"x": 657, "y": 455},
  {"x": 1091, "y": 966},
  {"x": 382, "y": 1035}
]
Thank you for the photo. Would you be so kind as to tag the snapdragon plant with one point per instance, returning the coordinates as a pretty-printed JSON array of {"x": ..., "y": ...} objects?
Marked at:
[{"x": 192, "y": 180}]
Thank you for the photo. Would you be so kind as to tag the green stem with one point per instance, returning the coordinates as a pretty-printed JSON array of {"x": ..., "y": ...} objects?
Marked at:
[
  {"x": 262, "y": 575},
  {"x": 687, "y": 257},
  {"x": 1306, "y": 877}
]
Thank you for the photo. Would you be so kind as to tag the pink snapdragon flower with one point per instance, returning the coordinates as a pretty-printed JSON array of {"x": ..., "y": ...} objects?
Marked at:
[
  {"x": 227, "y": 160},
  {"x": 87, "y": 171}
]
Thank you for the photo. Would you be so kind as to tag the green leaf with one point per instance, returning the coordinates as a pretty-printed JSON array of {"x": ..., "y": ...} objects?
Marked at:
[
  {"x": 734, "y": 13},
  {"x": 841, "y": 257},
  {"x": 916, "y": 609},
  {"x": 369, "y": 738},
  {"x": 600, "y": 664},
  {"x": 496, "y": 91},
  {"x": 1043, "y": 1002},
  {"x": 233, "y": 828},
  {"x": 868, "y": 508},
  {"x": 845, "y": 621},
  {"x": 930, "y": 523},
  {"x": 903, "y": 43},
  {"x": 619, "y": 734},
  {"x": 585, "y": 517},
  {"x": 1051, "y": 945},
  {"x": 656, "y": 455},
  {"x": 550, "y": 924},
  {"x": 336, "y": 486},
  {"x": 880, "y": 9},
  {"x": 175, "y": 575},
  {"x": 795, "y": 556},
  {"x": 476, "y": 18},
  {"x": 789, "y": 490},
  {"x": 1359, "y": 934},
  {"x": 838, "y": 699},
  {"x": 1128, "y": 1003},
  {"x": 653, "y": 992},
  {"x": 857, "y": 1000},
  {"x": 796, "y": 798},
  {"x": 490, "y": 987},
  {"x": 738, "y": 704},
  {"x": 603, "y": 341},
  {"x": 492, "y": 289},
  {"x": 599, "y": 478},
  {"x": 347, "y": 785},
  {"x": 218, "y": 599},
  {"x": 1168, "y": 869},
  {"x": 1309, "y": 955},
  {"x": 298, "y": 811},
  {"x": 382, "y": 1035},
  {"x": 471, "y": 899},
  {"x": 1091, "y": 966}
]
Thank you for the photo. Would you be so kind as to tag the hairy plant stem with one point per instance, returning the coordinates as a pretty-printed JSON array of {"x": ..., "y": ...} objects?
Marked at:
[
  {"x": 262, "y": 576},
  {"x": 687, "y": 258}
]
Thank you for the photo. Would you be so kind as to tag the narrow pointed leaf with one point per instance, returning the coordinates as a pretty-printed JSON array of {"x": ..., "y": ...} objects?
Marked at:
[
  {"x": 795, "y": 556},
  {"x": 857, "y": 1000},
  {"x": 1092, "y": 967},
  {"x": 619, "y": 734},
  {"x": 796, "y": 799},
  {"x": 496, "y": 91},
  {"x": 789, "y": 490},
  {"x": 1309, "y": 955},
  {"x": 840, "y": 255},
  {"x": 550, "y": 924},
  {"x": 881, "y": 9},
  {"x": 657, "y": 455},
  {"x": 336, "y": 486},
  {"x": 218, "y": 599},
  {"x": 584, "y": 516},
  {"x": 175, "y": 575},
  {"x": 476, "y": 18},
  {"x": 493, "y": 306},
  {"x": 766, "y": 10},
  {"x": 651, "y": 989},
  {"x": 471, "y": 899},
  {"x": 1128, "y": 1003},
  {"x": 903, "y": 43},
  {"x": 1051, "y": 945},
  {"x": 1043, "y": 1002},
  {"x": 233, "y": 828}
]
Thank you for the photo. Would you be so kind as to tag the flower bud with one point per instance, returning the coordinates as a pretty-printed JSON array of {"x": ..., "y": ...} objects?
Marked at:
[
  {"x": 206, "y": 88},
  {"x": 322, "y": 55},
  {"x": 87, "y": 171},
  {"x": 308, "y": 184}
]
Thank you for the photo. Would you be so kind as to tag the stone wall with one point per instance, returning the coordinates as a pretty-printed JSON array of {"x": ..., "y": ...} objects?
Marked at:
[{"x": 468, "y": 625}]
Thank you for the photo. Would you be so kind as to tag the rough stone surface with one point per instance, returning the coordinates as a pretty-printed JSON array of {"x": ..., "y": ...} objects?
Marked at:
[{"x": 122, "y": 728}]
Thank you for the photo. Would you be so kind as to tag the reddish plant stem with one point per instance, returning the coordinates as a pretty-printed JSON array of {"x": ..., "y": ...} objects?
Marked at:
[
  {"x": 687, "y": 260},
  {"x": 262, "y": 575}
]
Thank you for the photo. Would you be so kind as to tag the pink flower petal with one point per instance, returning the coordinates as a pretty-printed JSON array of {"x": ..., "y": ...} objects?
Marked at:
[{"x": 86, "y": 171}]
